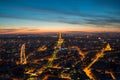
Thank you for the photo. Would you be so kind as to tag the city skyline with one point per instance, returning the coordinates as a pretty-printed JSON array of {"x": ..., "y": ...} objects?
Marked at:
[
  {"x": 38, "y": 16},
  {"x": 64, "y": 57}
]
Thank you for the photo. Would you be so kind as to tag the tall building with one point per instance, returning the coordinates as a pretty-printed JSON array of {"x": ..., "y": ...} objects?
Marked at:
[
  {"x": 60, "y": 35},
  {"x": 22, "y": 55},
  {"x": 60, "y": 41}
]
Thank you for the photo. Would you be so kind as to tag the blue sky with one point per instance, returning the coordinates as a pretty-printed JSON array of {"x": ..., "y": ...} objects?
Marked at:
[{"x": 58, "y": 15}]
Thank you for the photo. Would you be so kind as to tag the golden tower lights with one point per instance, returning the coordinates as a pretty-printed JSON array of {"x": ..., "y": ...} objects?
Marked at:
[{"x": 22, "y": 55}]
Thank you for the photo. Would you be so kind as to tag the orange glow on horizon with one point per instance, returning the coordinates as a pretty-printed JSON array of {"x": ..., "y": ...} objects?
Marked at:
[
  {"x": 35, "y": 31},
  {"x": 42, "y": 30}
]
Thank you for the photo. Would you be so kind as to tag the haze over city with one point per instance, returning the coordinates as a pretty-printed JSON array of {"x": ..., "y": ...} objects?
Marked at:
[{"x": 36, "y": 16}]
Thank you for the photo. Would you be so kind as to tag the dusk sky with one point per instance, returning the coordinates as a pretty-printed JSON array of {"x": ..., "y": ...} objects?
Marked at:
[{"x": 35, "y": 16}]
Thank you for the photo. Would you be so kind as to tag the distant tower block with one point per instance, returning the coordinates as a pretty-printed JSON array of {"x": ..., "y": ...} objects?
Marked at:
[
  {"x": 108, "y": 48},
  {"x": 60, "y": 41},
  {"x": 22, "y": 55}
]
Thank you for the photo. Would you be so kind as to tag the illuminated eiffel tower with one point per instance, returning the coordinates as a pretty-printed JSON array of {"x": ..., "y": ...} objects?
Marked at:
[{"x": 22, "y": 55}]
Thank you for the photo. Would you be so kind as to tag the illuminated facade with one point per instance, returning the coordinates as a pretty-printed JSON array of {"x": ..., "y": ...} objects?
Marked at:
[
  {"x": 60, "y": 41},
  {"x": 22, "y": 55}
]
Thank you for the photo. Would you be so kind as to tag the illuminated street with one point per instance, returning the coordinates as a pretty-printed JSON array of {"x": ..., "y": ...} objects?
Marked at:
[{"x": 62, "y": 57}]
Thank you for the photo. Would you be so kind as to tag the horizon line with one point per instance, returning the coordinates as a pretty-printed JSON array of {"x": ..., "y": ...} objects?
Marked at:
[{"x": 63, "y": 32}]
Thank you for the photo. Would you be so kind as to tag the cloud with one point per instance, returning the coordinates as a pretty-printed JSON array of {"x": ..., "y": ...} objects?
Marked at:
[
  {"x": 50, "y": 11},
  {"x": 64, "y": 19},
  {"x": 103, "y": 21},
  {"x": 4, "y": 31},
  {"x": 97, "y": 20},
  {"x": 12, "y": 31},
  {"x": 62, "y": 16},
  {"x": 4, "y": 15}
]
